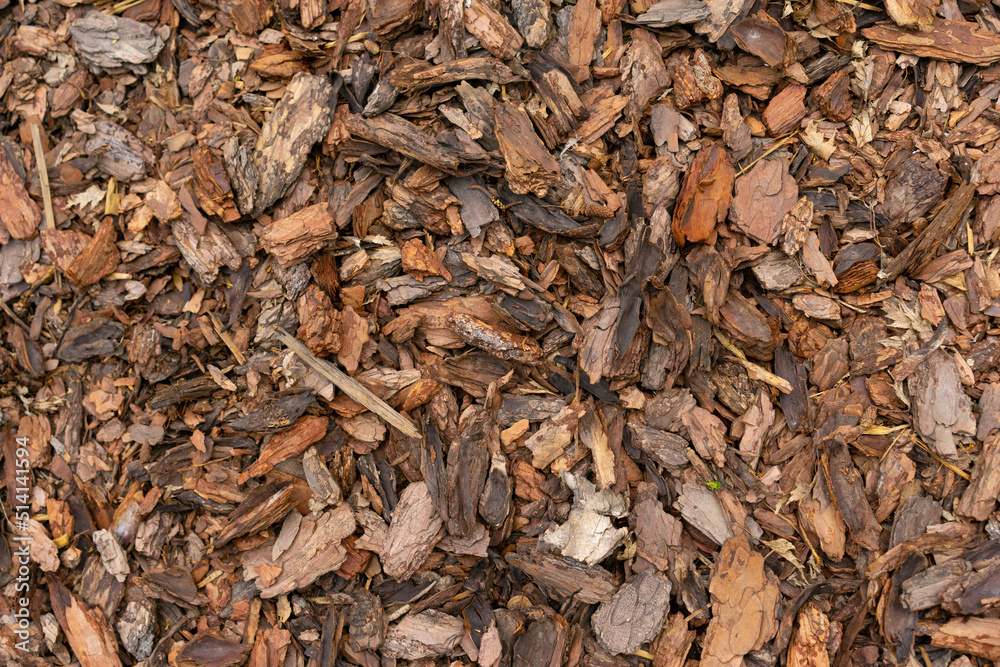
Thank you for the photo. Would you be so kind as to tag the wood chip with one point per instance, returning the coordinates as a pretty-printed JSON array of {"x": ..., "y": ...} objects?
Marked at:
[{"x": 744, "y": 601}]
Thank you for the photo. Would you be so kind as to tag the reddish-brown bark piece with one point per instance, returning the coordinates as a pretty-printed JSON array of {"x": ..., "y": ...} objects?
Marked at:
[
  {"x": 565, "y": 576},
  {"x": 763, "y": 197},
  {"x": 559, "y": 92},
  {"x": 286, "y": 444},
  {"x": 493, "y": 31},
  {"x": 163, "y": 202},
  {"x": 417, "y": 75},
  {"x": 63, "y": 246},
  {"x": 980, "y": 498},
  {"x": 211, "y": 185},
  {"x": 392, "y": 18},
  {"x": 809, "y": 643},
  {"x": 834, "y": 97},
  {"x": 844, "y": 484},
  {"x": 785, "y": 110},
  {"x": 723, "y": 13},
  {"x": 98, "y": 258},
  {"x": 819, "y": 266},
  {"x": 19, "y": 214},
  {"x": 321, "y": 326},
  {"x": 89, "y": 633},
  {"x": 943, "y": 537},
  {"x": 301, "y": 234},
  {"x": 941, "y": 227},
  {"x": 672, "y": 645},
  {"x": 494, "y": 340},
  {"x": 420, "y": 262},
  {"x": 657, "y": 533},
  {"x": 742, "y": 319},
  {"x": 705, "y": 196},
  {"x": 687, "y": 93},
  {"x": 976, "y": 636},
  {"x": 468, "y": 462},
  {"x": 584, "y": 26},
  {"x": 251, "y": 16},
  {"x": 745, "y": 598},
  {"x": 913, "y": 14},
  {"x": 707, "y": 435},
  {"x": 530, "y": 167},
  {"x": 913, "y": 186},
  {"x": 762, "y": 36},
  {"x": 265, "y": 505},
  {"x": 861, "y": 274},
  {"x": 312, "y": 13},
  {"x": 206, "y": 650},
  {"x": 755, "y": 81},
  {"x": 413, "y": 532},
  {"x": 953, "y": 41}
]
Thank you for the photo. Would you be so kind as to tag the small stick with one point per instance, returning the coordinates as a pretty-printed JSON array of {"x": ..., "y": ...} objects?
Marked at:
[
  {"x": 43, "y": 176},
  {"x": 354, "y": 389},
  {"x": 227, "y": 339}
]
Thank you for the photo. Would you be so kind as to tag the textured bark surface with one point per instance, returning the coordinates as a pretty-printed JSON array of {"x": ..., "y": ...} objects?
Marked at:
[
  {"x": 299, "y": 235},
  {"x": 634, "y": 615},
  {"x": 980, "y": 498},
  {"x": 20, "y": 216},
  {"x": 299, "y": 120},
  {"x": 763, "y": 197},
  {"x": 426, "y": 635},
  {"x": 942, "y": 413},
  {"x": 705, "y": 196},
  {"x": 530, "y": 167},
  {"x": 301, "y": 563},
  {"x": 114, "y": 44},
  {"x": 414, "y": 530},
  {"x": 744, "y": 597},
  {"x": 954, "y": 41}
]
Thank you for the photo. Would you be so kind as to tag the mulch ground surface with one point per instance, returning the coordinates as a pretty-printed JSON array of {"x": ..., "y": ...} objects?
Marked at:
[{"x": 388, "y": 333}]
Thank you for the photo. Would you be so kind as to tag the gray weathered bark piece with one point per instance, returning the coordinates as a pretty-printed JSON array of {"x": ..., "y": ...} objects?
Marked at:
[
  {"x": 942, "y": 412},
  {"x": 673, "y": 12},
  {"x": 634, "y": 615},
  {"x": 113, "y": 43}
]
